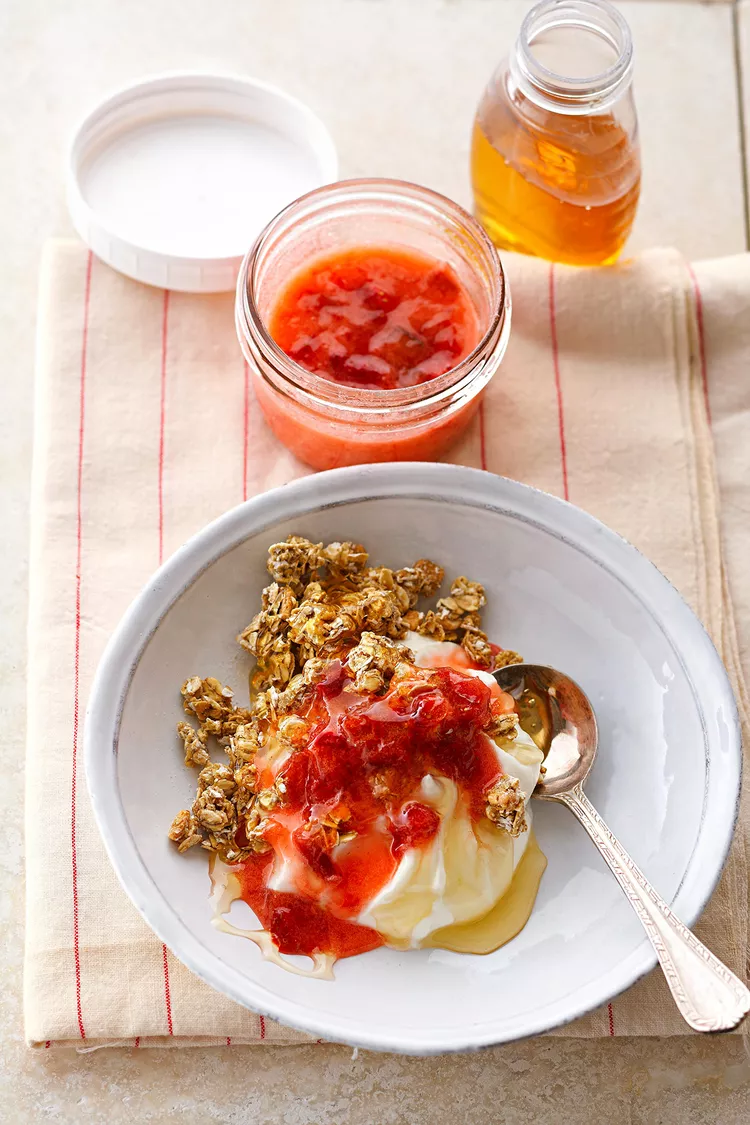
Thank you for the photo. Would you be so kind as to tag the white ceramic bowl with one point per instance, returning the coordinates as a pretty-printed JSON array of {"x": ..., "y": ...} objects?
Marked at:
[{"x": 563, "y": 590}]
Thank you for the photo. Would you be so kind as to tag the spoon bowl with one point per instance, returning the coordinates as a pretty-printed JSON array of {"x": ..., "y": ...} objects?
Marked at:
[{"x": 558, "y": 716}]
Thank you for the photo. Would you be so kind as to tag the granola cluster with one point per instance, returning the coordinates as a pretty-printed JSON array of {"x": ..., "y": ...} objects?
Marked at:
[
  {"x": 506, "y": 807},
  {"x": 325, "y": 603},
  {"x": 323, "y": 599},
  {"x": 224, "y": 807},
  {"x": 376, "y": 660}
]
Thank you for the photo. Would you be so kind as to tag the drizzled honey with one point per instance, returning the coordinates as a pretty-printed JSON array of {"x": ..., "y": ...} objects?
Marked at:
[
  {"x": 507, "y": 917},
  {"x": 555, "y": 161}
]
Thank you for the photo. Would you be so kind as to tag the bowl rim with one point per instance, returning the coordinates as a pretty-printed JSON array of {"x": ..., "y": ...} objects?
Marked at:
[{"x": 435, "y": 482}]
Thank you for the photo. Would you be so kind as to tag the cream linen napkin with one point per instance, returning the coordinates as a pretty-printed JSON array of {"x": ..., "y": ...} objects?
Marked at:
[{"x": 146, "y": 428}]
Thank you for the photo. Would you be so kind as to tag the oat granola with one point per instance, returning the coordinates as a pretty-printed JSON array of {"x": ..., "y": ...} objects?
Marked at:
[
  {"x": 325, "y": 604},
  {"x": 506, "y": 806}
]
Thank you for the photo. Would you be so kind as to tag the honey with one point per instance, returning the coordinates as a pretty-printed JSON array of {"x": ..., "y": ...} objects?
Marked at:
[
  {"x": 484, "y": 935},
  {"x": 569, "y": 196},
  {"x": 507, "y": 917},
  {"x": 555, "y": 161}
]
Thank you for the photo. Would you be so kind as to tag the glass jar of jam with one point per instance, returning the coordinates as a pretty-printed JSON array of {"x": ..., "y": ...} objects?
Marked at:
[
  {"x": 555, "y": 160},
  {"x": 372, "y": 314}
]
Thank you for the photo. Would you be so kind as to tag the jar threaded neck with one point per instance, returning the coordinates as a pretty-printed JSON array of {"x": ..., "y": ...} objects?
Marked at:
[{"x": 573, "y": 56}]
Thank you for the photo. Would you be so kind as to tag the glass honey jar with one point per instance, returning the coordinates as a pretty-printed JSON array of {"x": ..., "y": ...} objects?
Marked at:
[{"x": 555, "y": 161}]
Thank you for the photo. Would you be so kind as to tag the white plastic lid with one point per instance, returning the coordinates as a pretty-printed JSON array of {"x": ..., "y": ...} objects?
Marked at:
[{"x": 171, "y": 180}]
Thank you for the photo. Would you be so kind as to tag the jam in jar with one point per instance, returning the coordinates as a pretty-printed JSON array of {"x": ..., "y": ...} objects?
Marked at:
[{"x": 372, "y": 314}]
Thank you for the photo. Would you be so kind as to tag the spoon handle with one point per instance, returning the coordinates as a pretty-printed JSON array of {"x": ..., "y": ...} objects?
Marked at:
[{"x": 709, "y": 996}]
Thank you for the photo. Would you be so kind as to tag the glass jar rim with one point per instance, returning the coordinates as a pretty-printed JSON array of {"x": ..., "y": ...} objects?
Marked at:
[
  {"x": 360, "y": 400},
  {"x": 575, "y": 94}
]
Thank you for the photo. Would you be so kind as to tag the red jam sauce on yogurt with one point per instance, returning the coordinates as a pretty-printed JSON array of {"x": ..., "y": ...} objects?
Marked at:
[{"x": 361, "y": 772}]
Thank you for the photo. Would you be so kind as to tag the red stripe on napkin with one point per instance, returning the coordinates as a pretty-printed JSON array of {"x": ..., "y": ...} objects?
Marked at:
[
  {"x": 245, "y": 425},
  {"x": 563, "y": 451},
  {"x": 558, "y": 387},
  {"x": 162, "y": 407},
  {"x": 701, "y": 338},
  {"x": 77, "y": 657},
  {"x": 167, "y": 997},
  {"x": 160, "y": 486},
  {"x": 482, "y": 443}
]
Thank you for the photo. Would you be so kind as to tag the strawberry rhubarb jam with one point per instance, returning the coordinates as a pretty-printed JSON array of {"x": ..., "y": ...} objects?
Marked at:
[
  {"x": 376, "y": 318},
  {"x": 356, "y": 800},
  {"x": 372, "y": 314}
]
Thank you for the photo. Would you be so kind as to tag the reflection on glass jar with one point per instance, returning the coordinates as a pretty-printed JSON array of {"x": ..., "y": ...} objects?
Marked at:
[
  {"x": 555, "y": 158},
  {"x": 372, "y": 315}
]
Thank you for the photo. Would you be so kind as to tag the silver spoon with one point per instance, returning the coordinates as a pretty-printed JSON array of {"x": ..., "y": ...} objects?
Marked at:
[{"x": 557, "y": 715}]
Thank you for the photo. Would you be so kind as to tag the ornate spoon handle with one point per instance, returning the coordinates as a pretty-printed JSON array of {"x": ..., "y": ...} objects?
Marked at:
[{"x": 709, "y": 996}]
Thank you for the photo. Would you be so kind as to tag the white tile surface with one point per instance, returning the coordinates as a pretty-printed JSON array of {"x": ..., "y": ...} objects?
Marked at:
[
  {"x": 398, "y": 81},
  {"x": 686, "y": 93}
]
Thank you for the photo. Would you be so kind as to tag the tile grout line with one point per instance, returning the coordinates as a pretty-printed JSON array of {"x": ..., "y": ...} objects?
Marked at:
[{"x": 740, "y": 89}]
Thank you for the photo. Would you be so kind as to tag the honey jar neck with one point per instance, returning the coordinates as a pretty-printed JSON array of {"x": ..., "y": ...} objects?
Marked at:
[{"x": 572, "y": 56}]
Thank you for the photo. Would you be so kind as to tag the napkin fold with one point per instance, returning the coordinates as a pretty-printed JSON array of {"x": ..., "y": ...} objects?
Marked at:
[{"x": 623, "y": 390}]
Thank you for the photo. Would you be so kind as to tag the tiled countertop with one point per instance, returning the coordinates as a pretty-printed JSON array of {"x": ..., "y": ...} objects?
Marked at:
[{"x": 397, "y": 81}]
